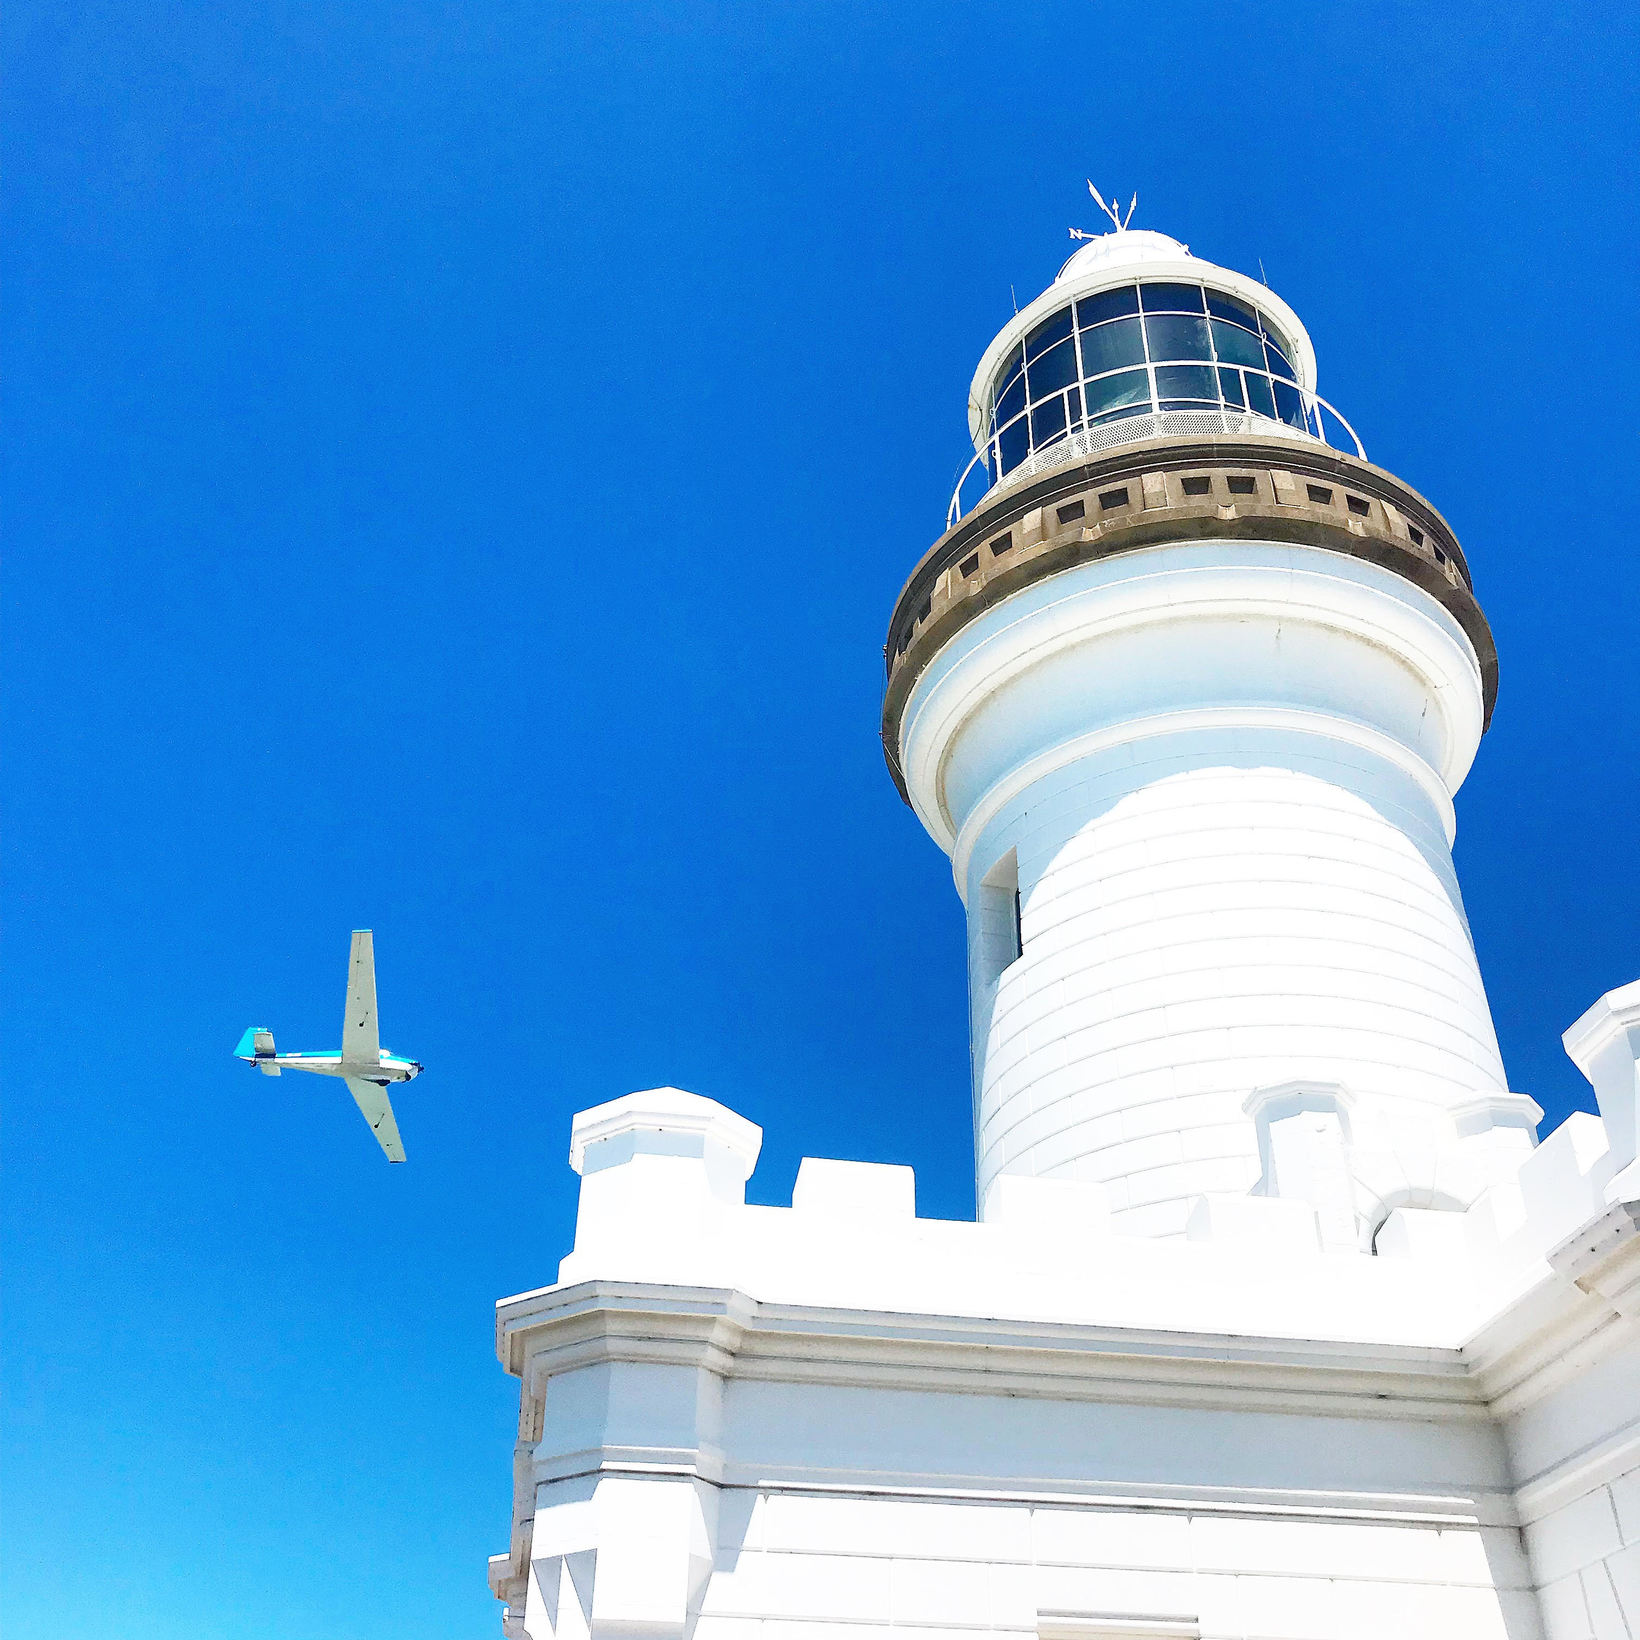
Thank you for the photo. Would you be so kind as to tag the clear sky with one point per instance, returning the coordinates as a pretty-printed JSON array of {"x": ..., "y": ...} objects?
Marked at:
[{"x": 461, "y": 461}]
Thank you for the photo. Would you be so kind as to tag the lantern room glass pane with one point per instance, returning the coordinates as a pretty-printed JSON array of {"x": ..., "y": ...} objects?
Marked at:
[
  {"x": 1053, "y": 370},
  {"x": 1131, "y": 387},
  {"x": 1047, "y": 423},
  {"x": 1197, "y": 382},
  {"x": 1046, "y": 334},
  {"x": 1237, "y": 346},
  {"x": 1111, "y": 346},
  {"x": 1178, "y": 337},
  {"x": 1172, "y": 298},
  {"x": 1289, "y": 405},
  {"x": 1122, "y": 413},
  {"x": 1011, "y": 402},
  {"x": 1259, "y": 397},
  {"x": 1108, "y": 304},
  {"x": 1013, "y": 445},
  {"x": 1230, "y": 388},
  {"x": 1227, "y": 307},
  {"x": 1278, "y": 361}
]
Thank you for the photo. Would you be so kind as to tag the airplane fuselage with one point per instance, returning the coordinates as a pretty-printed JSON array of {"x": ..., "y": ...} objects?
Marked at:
[{"x": 389, "y": 1067}]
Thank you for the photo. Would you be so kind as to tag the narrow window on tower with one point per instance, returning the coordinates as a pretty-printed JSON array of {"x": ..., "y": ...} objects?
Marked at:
[{"x": 996, "y": 921}]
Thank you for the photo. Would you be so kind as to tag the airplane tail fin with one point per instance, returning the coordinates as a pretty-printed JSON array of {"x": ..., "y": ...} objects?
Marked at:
[{"x": 256, "y": 1047}]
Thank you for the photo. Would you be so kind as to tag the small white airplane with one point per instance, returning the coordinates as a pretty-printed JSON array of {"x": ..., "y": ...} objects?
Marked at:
[{"x": 363, "y": 1063}]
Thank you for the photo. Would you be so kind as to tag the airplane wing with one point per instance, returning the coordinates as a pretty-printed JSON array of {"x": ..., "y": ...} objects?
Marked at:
[
  {"x": 361, "y": 1041},
  {"x": 377, "y": 1109}
]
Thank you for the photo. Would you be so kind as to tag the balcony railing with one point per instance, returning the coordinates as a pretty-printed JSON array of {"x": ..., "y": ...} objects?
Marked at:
[{"x": 1322, "y": 424}]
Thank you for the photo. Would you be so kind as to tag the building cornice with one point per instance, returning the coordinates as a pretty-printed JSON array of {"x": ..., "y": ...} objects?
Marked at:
[
  {"x": 1584, "y": 1304},
  {"x": 725, "y": 1332}
]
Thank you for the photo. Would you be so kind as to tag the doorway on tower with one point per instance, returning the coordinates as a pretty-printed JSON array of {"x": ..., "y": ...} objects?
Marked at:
[{"x": 999, "y": 926}]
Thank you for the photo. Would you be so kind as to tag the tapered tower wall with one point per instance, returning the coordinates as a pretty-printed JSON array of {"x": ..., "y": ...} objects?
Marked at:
[{"x": 1213, "y": 774}]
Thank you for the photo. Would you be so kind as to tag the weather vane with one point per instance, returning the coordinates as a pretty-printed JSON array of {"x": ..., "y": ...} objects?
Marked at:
[{"x": 1110, "y": 210}]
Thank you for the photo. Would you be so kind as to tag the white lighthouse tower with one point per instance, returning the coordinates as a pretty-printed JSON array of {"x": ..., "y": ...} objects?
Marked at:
[
  {"x": 1275, "y": 1322},
  {"x": 1186, "y": 698}
]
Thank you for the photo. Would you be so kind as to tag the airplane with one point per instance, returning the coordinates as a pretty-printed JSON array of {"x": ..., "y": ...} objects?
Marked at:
[{"x": 363, "y": 1063}]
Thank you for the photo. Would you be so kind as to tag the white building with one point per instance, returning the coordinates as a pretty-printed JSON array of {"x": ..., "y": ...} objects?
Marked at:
[{"x": 1277, "y": 1321}]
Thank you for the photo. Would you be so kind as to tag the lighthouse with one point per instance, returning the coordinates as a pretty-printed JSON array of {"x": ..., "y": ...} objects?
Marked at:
[
  {"x": 1186, "y": 693},
  {"x": 1275, "y": 1320}
]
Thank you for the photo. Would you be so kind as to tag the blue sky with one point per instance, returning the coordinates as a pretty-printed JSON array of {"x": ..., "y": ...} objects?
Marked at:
[{"x": 461, "y": 461}]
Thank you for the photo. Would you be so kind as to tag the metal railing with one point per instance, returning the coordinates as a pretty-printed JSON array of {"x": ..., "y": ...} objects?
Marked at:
[{"x": 1085, "y": 439}]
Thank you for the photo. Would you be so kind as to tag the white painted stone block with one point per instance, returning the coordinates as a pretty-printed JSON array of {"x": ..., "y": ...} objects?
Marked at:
[
  {"x": 1625, "y": 1491},
  {"x": 934, "y": 1593},
  {"x": 1605, "y": 1045},
  {"x": 1273, "y": 1608},
  {"x": 1261, "y": 1224},
  {"x": 656, "y": 1168},
  {"x": 1606, "y": 1616},
  {"x": 668, "y": 1122},
  {"x": 835, "y": 1588},
  {"x": 1110, "y": 1591},
  {"x": 722, "y": 1627},
  {"x": 858, "y": 1192},
  {"x": 1574, "y": 1536},
  {"x": 625, "y": 1563},
  {"x": 1048, "y": 1207},
  {"x": 1304, "y": 1548},
  {"x": 1562, "y": 1183},
  {"x": 1108, "y": 1537},
  {"x": 1511, "y": 1114},
  {"x": 1565, "y": 1610},
  {"x": 1423, "y": 1233},
  {"x": 1623, "y": 1568}
]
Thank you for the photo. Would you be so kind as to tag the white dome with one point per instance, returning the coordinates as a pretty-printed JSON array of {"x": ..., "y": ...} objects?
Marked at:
[{"x": 1113, "y": 250}]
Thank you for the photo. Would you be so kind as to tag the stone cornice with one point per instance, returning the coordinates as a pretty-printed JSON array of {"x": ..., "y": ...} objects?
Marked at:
[
  {"x": 1583, "y": 1305},
  {"x": 729, "y": 1334}
]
